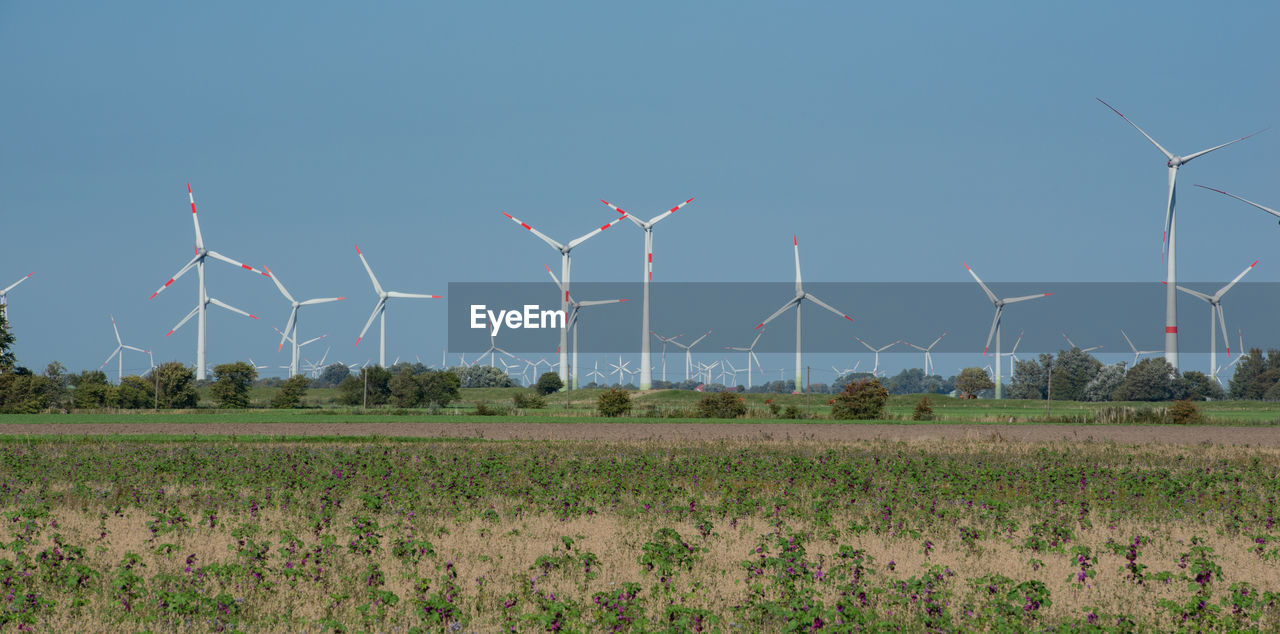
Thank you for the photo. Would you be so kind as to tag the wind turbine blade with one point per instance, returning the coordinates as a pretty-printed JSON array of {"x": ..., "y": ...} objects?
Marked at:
[
  {"x": 177, "y": 275},
  {"x": 991, "y": 296},
  {"x": 598, "y": 302},
  {"x": 322, "y": 300},
  {"x": 184, "y": 320},
  {"x": 313, "y": 340},
  {"x": 1248, "y": 202},
  {"x": 658, "y": 218},
  {"x": 217, "y": 302},
  {"x": 1196, "y": 293},
  {"x": 117, "y": 330},
  {"x": 1222, "y": 321},
  {"x": 1166, "y": 153},
  {"x": 823, "y": 304},
  {"x": 1187, "y": 159},
  {"x": 869, "y": 347},
  {"x": 133, "y": 348},
  {"x": 1129, "y": 341},
  {"x": 758, "y": 335},
  {"x": 11, "y": 286},
  {"x": 1069, "y": 342},
  {"x": 1224, "y": 289},
  {"x": 755, "y": 358},
  {"x": 557, "y": 281},
  {"x": 994, "y": 322},
  {"x": 411, "y": 295},
  {"x": 218, "y": 256},
  {"x": 1024, "y": 298},
  {"x": 377, "y": 307},
  {"x": 556, "y": 245},
  {"x": 377, "y": 288},
  {"x": 1015, "y": 343},
  {"x": 776, "y": 313},
  {"x": 920, "y": 348},
  {"x": 113, "y": 355},
  {"x": 796, "y": 242},
  {"x": 279, "y": 285},
  {"x": 288, "y": 327},
  {"x": 195, "y": 218},
  {"x": 1168, "y": 211},
  {"x": 695, "y": 341},
  {"x": 584, "y": 238}
]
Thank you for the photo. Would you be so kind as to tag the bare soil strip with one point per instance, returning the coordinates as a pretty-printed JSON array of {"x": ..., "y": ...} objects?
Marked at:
[{"x": 621, "y": 432}]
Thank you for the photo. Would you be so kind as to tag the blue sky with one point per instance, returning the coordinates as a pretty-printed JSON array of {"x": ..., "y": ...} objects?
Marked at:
[{"x": 897, "y": 140}]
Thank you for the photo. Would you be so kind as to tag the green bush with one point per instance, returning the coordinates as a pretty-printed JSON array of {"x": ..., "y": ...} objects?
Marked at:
[
  {"x": 529, "y": 400},
  {"x": 290, "y": 394},
  {"x": 613, "y": 402},
  {"x": 722, "y": 405},
  {"x": 923, "y": 410},
  {"x": 231, "y": 383},
  {"x": 860, "y": 400},
  {"x": 549, "y": 382},
  {"x": 1185, "y": 413}
]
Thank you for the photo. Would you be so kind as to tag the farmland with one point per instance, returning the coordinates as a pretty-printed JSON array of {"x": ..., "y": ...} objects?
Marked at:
[{"x": 730, "y": 535}]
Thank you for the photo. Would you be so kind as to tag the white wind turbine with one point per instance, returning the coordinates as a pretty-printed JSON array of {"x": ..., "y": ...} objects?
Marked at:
[
  {"x": 299, "y": 346},
  {"x": 646, "y": 370},
  {"x": 1136, "y": 352},
  {"x": 1240, "y": 356},
  {"x": 795, "y": 302},
  {"x": 1169, "y": 242},
  {"x": 665, "y": 341},
  {"x": 840, "y": 373},
  {"x": 1216, "y": 317},
  {"x": 291, "y": 327},
  {"x": 5, "y": 292},
  {"x": 596, "y": 373},
  {"x": 688, "y": 355},
  {"x": 256, "y": 366},
  {"x": 1013, "y": 353},
  {"x": 751, "y": 356},
  {"x": 118, "y": 353},
  {"x": 875, "y": 370},
  {"x": 1073, "y": 345},
  {"x": 493, "y": 352},
  {"x": 995, "y": 321},
  {"x": 564, "y": 250},
  {"x": 571, "y": 321},
  {"x": 380, "y": 309},
  {"x": 202, "y": 299},
  {"x": 928, "y": 352},
  {"x": 621, "y": 369}
]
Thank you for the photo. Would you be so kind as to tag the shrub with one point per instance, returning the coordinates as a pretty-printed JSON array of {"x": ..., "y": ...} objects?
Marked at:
[
  {"x": 722, "y": 405},
  {"x": 529, "y": 400},
  {"x": 549, "y": 383},
  {"x": 860, "y": 400},
  {"x": 774, "y": 408},
  {"x": 923, "y": 410},
  {"x": 484, "y": 409},
  {"x": 290, "y": 394},
  {"x": 613, "y": 402},
  {"x": 1184, "y": 413},
  {"x": 792, "y": 412},
  {"x": 231, "y": 383}
]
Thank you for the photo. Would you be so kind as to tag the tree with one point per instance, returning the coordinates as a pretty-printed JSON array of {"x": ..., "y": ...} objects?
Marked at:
[
  {"x": 231, "y": 383},
  {"x": 406, "y": 389},
  {"x": 1072, "y": 371},
  {"x": 7, "y": 360},
  {"x": 1247, "y": 369},
  {"x": 613, "y": 402},
  {"x": 923, "y": 409},
  {"x": 373, "y": 381},
  {"x": 92, "y": 390},
  {"x": 548, "y": 383},
  {"x": 440, "y": 387},
  {"x": 482, "y": 376},
  {"x": 1149, "y": 380},
  {"x": 722, "y": 405},
  {"x": 973, "y": 380},
  {"x": 332, "y": 375},
  {"x": 59, "y": 382},
  {"x": 135, "y": 392},
  {"x": 1031, "y": 378},
  {"x": 291, "y": 393},
  {"x": 1262, "y": 383},
  {"x": 1198, "y": 386},
  {"x": 783, "y": 387},
  {"x": 860, "y": 400},
  {"x": 176, "y": 385},
  {"x": 1104, "y": 383},
  {"x": 24, "y": 392}
]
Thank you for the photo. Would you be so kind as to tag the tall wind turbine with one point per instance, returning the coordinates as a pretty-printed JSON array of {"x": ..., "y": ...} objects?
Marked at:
[
  {"x": 1136, "y": 352},
  {"x": 795, "y": 302},
  {"x": 1073, "y": 345},
  {"x": 1169, "y": 242},
  {"x": 380, "y": 309},
  {"x": 571, "y": 323},
  {"x": 928, "y": 353},
  {"x": 118, "y": 353},
  {"x": 751, "y": 356},
  {"x": 564, "y": 250},
  {"x": 688, "y": 354},
  {"x": 646, "y": 370},
  {"x": 202, "y": 299},
  {"x": 1216, "y": 317},
  {"x": 875, "y": 371},
  {"x": 291, "y": 327},
  {"x": 665, "y": 341},
  {"x": 995, "y": 321},
  {"x": 5, "y": 292}
]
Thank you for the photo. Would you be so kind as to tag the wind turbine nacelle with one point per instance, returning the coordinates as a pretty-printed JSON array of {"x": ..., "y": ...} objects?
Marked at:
[{"x": 1174, "y": 162}]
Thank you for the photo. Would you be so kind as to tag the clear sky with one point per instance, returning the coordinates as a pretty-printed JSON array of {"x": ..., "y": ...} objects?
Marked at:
[{"x": 896, "y": 139}]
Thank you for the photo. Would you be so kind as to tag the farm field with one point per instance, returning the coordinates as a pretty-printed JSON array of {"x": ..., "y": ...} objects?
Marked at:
[{"x": 728, "y": 535}]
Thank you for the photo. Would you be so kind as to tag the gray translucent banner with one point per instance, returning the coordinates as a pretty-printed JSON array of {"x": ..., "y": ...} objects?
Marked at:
[{"x": 1090, "y": 313}]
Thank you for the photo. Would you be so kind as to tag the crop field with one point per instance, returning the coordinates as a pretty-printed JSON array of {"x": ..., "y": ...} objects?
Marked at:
[{"x": 444, "y": 535}]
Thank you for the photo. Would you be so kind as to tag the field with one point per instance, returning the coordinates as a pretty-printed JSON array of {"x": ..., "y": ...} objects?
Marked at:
[{"x": 329, "y": 519}]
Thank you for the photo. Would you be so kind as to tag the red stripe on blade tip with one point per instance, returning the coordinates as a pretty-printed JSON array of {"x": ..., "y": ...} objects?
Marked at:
[{"x": 1171, "y": 330}]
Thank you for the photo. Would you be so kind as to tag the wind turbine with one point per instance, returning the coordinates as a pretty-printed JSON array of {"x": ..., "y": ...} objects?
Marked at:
[
  {"x": 688, "y": 355},
  {"x": 380, "y": 309},
  {"x": 1136, "y": 352},
  {"x": 1073, "y": 345},
  {"x": 665, "y": 341},
  {"x": 571, "y": 323},
  {"x": 795, "y": 302},
  {"x": 1216, "y": 317},
  {"x": 291, "y": 327},
  {"x": 256, "y": 366},
  {"x": 1013, "y": 354},
  {"x": 840, "y": 373},
  {"x": 1240, "y": 356},
  {"x": 493, "y": 352},
  {"x": 202, "y": 299},
  {"x": 118, "y": 353},
  {"x": 620, "y": 368},
  {"x": 646, "y": 371},
  {"x": 995, "y": 321},
  {"x": 564, "y": 250},
  {"x": 751, "y": 356},
  {"x": 928, "y": 352},
  {"x": 5, "y": 292},
  {"x": 875, "y": 370},
  {"x": 596, "y": 373},
  {"x": 1168, "y": 237}
]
